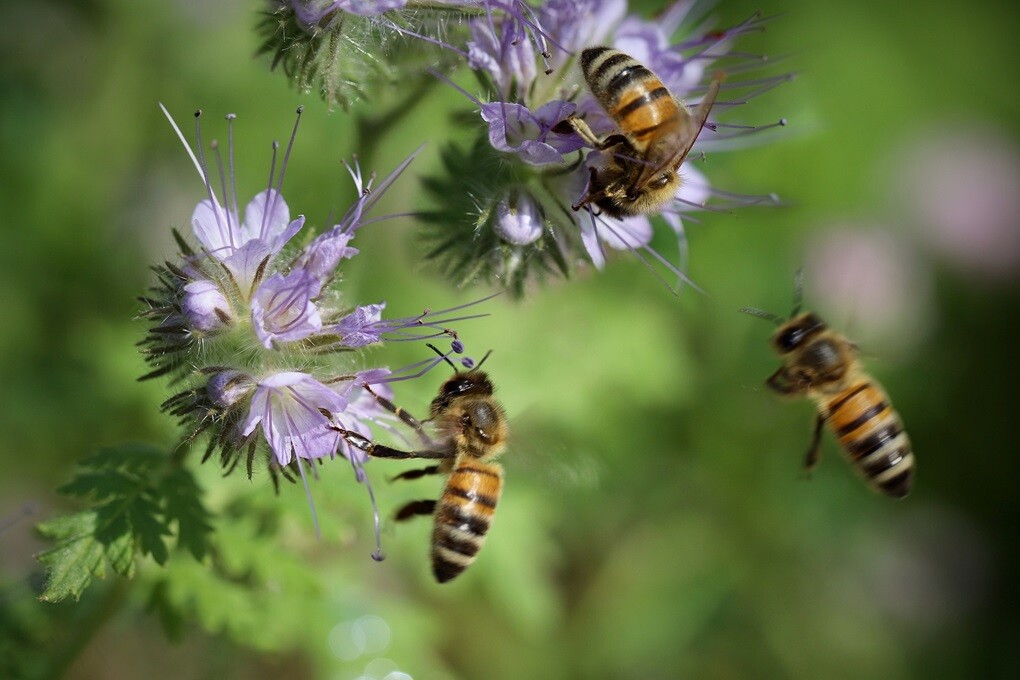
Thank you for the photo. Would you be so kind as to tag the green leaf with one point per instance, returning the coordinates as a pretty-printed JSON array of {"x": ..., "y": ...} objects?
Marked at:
[
  {"x": 183, "y": 504},
  {"x": 77, "y": 557},
  {"x": 128, "y": 519},
  {"x": 137, "y": 458},
  {"x": 148, "y": 526},
  {"x": 100, "y": 485},
  {"x": 138, "y": 496}
]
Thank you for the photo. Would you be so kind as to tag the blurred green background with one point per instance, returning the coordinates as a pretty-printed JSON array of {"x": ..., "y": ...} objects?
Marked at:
[{"x": 656, "y": 522}]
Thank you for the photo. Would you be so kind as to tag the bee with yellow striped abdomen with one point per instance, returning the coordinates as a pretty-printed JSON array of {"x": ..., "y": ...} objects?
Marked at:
[
  {"x": 637, "y": 172},
  {"x": 471, "y": 431},
  {"x": 821, "y": 364}
]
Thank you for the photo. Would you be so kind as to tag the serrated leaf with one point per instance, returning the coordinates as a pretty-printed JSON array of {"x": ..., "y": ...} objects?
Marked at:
[
  {"x": 100, "y": 485},
  {"x": 76, "y": 559},
  {"x": 183, "y": 504},
  {"x": 149, "y": 527},
  {"x": 134, "y": 457},
  {"x": 139, "y": 495}
]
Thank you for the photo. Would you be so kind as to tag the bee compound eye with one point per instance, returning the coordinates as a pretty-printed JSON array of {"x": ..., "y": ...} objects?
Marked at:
[{"x": 790, "y": 339}]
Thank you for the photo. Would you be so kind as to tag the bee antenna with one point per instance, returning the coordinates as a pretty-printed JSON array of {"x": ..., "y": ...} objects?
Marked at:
[
  {"x": 440, "y": 353},
  {"x": 762, "y": 314},
  {"x": 798, "y": 291},
  {"x": 479, "y": 364}
]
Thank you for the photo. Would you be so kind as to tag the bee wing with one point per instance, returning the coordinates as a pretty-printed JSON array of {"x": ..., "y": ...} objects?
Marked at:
[{"x": 684, "y": 136}]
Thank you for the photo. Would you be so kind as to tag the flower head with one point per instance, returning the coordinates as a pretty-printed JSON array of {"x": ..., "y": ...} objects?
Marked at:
[
  {"x": 260, "y": 335},
  {"x": 527, "y": 60}
]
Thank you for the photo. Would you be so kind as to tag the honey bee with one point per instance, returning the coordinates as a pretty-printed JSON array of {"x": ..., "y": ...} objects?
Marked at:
[
  {"x": 471, "y": 431},
  {"x": 638, "y": 172},
  {"x": 821, "y": 364}
]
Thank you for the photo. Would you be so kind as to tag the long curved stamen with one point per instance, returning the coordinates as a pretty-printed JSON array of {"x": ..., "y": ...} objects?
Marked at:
[
  {"x": 224, "y": 229},
  {"x": 269, "y": 188},
  {"x": 230, "y": 162},
  {"x": 359, "y": 472},
  {"x": 656, "y": 255},
  {"x": 397, "y": 376},
  {"x": 742, "y": 130},
  {"x": 215, "y": 146},
  {"x": 283, "y": 169}
]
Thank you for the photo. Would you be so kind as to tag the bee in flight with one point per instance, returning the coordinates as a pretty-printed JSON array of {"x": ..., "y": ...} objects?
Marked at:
[
  {"x": 638, "y": 172},
  {"x": 822, "y": 365},
  {"x": 471, "y": 431}
]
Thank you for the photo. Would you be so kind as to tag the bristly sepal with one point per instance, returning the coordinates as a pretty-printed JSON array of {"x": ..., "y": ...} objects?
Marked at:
[
  {"x": 346, "y": 51},
  {"x": 490, "y": 222}
]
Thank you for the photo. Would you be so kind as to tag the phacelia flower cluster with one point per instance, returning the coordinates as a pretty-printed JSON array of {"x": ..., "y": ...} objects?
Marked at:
[
  {"x": 252, "y": 323},
  {"x": 508, "y": 205},
  {"x": 344, "y": 49}
]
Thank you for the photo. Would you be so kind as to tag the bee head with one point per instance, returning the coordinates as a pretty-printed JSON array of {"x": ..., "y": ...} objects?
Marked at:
[
  {"x": 792, "y": 334},
  {"x": 463, "y": 383},
  {"x": 641, "y": 199}
]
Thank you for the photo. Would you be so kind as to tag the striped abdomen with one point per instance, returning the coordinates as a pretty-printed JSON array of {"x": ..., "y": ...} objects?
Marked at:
[
  {"x": 631, "y": 94},
  {"x": 463, "y": 515},
  {"x": 873, "y": 438}
]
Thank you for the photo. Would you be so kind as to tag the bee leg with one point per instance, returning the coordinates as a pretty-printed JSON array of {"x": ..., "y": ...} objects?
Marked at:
[
  {"x": 415, "y": 474},
  {"x": 414, "y": 509},
  {"x": 815, "y": 449},
  {"x": 574, "y": 124},
  {"x": 404, "y": 416},
  {"x": 382, "y": 451}
]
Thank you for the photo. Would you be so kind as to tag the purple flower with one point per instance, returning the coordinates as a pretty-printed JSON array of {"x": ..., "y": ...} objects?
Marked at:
[
  {"x": 205, "y": 306},
  {"x": 575, "y": 24},
  {"x": 289, "y": 408},
  {"x": 506, "y": 54},
  {"x": 362, "y": 326},
  {"x": 284, "y": 384},
  {"x": 322, "y": 255},
  {"x": 515, "y": 129},
  {"x": 244, "y": 246},
  {"x": 228, "y": 387},
  {"x": 312, "y": 12},
  {"x": 650, "y": 43},
  {"x": 266, "y": 219},
  {"x": 282, "y": 309},
  {"x": 364, "y": 408},
  {"x": 520, "y": 222},
  {"x": 526, "y": 110}
]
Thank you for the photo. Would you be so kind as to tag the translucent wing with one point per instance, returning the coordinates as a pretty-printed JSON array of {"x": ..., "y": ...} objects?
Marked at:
[{"x": 692, "y": 121}]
